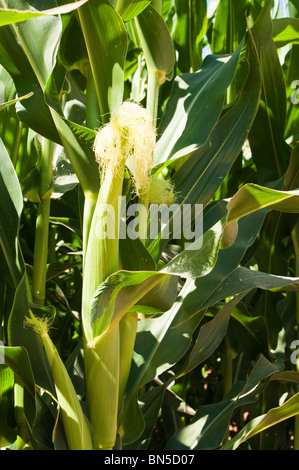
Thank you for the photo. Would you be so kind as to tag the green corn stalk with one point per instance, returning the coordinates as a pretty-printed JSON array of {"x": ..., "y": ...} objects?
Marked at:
[
  {"x": 101, "y": 362},
  {"x": 42, "y": 225},
  {"x": 107, "y": 359},
  {"x": 128, "y": 140}
]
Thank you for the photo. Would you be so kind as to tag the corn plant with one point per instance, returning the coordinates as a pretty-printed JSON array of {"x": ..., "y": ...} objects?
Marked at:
[{"x": 149, "y": 235}]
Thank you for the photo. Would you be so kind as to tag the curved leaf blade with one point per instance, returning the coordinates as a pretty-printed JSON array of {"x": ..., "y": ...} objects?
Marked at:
[
  {"x": 156, "y": 42},
  {"x": 261, "y": 423},
  {"x": 129, "y": 9},
  {"x": 253, "y": 197},
  {"x": 106, "y": 42},
  {"x": 194, "y": 107},
  {"x": 10, "y": 16}
]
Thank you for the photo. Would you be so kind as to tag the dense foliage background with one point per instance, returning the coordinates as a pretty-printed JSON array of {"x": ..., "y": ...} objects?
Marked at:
[{"x": 215, "y": 353}]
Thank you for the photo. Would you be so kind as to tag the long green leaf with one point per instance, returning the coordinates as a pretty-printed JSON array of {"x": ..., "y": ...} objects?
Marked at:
[
  {"x": 229, "y": 26},
  {"x": 106, "y": 42},
  {"x": 161, "y": 343},
  {"x": 190, "y": 30},
  {"x": 209, "y": 425},
  {"x": 39, "y": 417},
  {"x": 285, "y": 31},
  {"x": 263, "y": 422},
  {"x": 115, "y": 296},
  {"x": 251, "y": 198},
  {"x": 199, "y": 177},
  {"x": 29, "y": 62},
  {"x": 267, "y": 133},
  {"x": 8, "y": 432},
  {"x": 156, "y": 42},
  {"x": 194, "y": 107},
  {"x": 11, "y": 205},
  {"x": 129, "y": 9},
  {"x": 211, "y": 334},
  {"x": 9, "y": 16}
]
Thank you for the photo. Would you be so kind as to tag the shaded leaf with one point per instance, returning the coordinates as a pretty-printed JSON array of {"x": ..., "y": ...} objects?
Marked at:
[
  {"x": 106, "y": 42},
  {"x": 251, "y": 198},
  {"x": 209, "y": 425},
  {"x": 269, "y": 419},
  {"x": 211, "y": 334},
  {"x": 156, "y": 42}
]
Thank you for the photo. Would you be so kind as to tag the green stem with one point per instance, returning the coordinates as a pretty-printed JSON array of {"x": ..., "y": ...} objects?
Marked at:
[
  {"x": 190, "y": 39},
  {"x": 153, "y": 95},
  {"x": 40, "y": 255},
  {"x": 92, "y": 107}
]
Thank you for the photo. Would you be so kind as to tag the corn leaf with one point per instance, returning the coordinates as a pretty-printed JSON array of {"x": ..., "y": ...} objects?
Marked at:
[
  {"x": 266, "y": 136},
  {"x": 156, "y": 42},
  {"x": 21, "y": 54},
  {"x": 129, "y": 9},
  {"x": 201, "y": 174},
  {"x": 106, "y": 42},
  {"x": 115, "y": 296},
  {"x": 208, "y": 427},
  {"x": 261, "y": 423},
  {"x": 190, "y": 30},
  {"x": 39, "y": 418},
  {"x": 194, "y": 107},
  {"x": 229, "y": 26},
  {"x": 285, "y": 31},
  {"x": 11, "y": 205},
  {"x": 9, "y": 16},
  {"x": 252, "y": 198},
  {"x": 11, "y": 102},
  {"x": 211, "y": 334},
  {"x": 160, "y": 344},
  {"x": 8, "y": 433}
]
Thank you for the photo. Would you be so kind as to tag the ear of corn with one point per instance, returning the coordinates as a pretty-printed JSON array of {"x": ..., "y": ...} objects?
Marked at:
[
  {"x": 127, "y": 140},
  {"x": 75, "y": 424}
]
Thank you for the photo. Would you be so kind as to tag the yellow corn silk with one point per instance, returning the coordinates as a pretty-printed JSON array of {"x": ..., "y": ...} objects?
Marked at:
[
  {"x": 129, "y": 136},
  {"x": 161, "y": 191}
]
